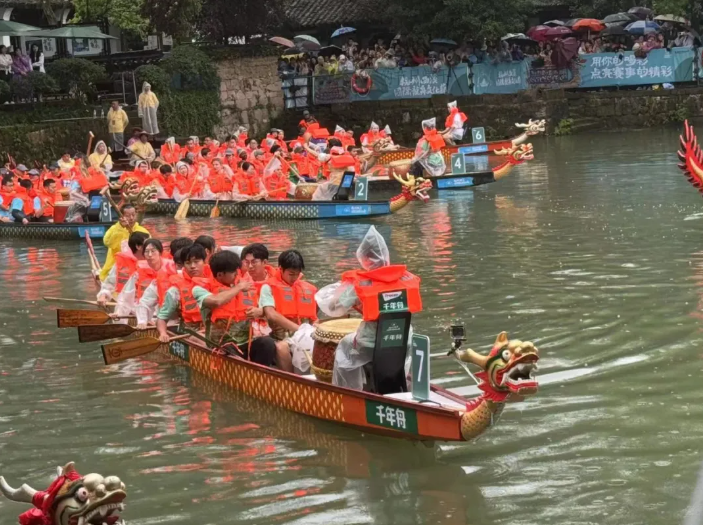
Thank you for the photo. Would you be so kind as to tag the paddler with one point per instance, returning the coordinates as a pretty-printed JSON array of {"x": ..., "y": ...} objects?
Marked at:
[
  {"x": 255, "y": 264},
  {"x": 359, "y": 290},
  {"x": 178, "y": 300},
  {"x": 154, "y": 295},
  {"x": 287, "y": 302},
  {"x": 154, "y": 268},
  {"x": 370, "y": 138},
  {"x": 454, "y": 125},
  {"x": 307, "y": 120},
  {"x": 100, "y": 158},
  {"x": 48, "y": 197},
  {"x": 142, "y": 149},
  {"x": 428, "y": 152},
  {"x": 118, "y": 233},
  {"x": 121, "y": 278},
  {"x": 11, "y": 204},
  {"x": 224, "y": 301}
]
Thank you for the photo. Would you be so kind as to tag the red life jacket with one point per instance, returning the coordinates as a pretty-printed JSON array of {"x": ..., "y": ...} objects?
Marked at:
[
  {"x": 96, "y": 180},
  {"x": 369, "y": 284},
  {"x": 276, "y": 185},
  {"x": 125, "y": 266},
  {"x": 295, "y": 302},
  {"x": 146, "y": 275},
  {"x": 449, "y": 122},
  {"x": 235, "y": 310},
  {"x": 340, "y": 162},
  {"x": 190, "y": 312},
  {"x": 247, "y": 185},
  {"x": 435, "y": 140},
  {"x": 48, "y": 201}
]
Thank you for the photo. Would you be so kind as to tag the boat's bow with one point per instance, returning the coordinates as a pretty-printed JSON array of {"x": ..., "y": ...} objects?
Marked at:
[
  {"x": 413, "y": 188},
  {"x": 691, "y": 158},
  {"x": 532, "y": 128},
  {"x": 514, "y": 157}
]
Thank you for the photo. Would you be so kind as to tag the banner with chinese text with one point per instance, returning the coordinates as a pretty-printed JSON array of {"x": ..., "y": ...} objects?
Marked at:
[{"x": 505, "y": 77}]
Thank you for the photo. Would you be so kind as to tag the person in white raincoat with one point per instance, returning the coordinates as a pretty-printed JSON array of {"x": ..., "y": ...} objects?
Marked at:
[
  {"x": 428, "y": 152},
  {"x": 148, "y": 106},
  {"x": 336, "y": 300}
]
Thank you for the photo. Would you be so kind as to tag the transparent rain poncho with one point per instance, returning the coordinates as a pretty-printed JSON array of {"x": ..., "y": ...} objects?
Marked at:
[{"x": 338, "y": 299}]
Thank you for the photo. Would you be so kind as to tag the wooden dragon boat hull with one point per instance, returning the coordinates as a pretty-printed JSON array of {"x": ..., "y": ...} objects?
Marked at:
[
  {"x": 444, "y": 182},
  {"x": 70, "y": 231},
  {"x": 277, "y": 210},
  {"x": 467, "y": 149},
  {"x": 395, "y": 415}
]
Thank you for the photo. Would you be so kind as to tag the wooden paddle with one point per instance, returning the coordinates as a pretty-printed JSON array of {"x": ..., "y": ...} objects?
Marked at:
[
  {"x": 74, "y": 318},
  {"x": 183, "y": 208},
  {"x": 123, "y": 350},
  {"x": 89, "y": 333},
  {"x": 90, "y": 143},
  {"x": 215, "y": 213},
  {"x": 94, "y": 265},
  {"x": 76, "y": 301}
]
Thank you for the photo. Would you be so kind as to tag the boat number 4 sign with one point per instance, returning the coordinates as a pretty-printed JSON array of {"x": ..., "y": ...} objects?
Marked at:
[{"x": 389, "y": 416}]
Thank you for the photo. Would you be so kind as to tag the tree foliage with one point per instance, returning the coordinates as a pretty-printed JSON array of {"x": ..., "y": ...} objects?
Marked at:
[
  {"x": 125, "y": 14},
  {"x": 173, "y": 17},
  {"x": 195, "y": 68},
  {"x": 221, "y": 20},
  {"x": 76, "y": 75},
  {"x": 458, "y": 19},
  {"x": 156, "y": 76}
]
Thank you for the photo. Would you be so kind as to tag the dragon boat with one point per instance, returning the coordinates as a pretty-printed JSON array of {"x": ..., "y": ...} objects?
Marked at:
[
  {"x": 67, "y": 231},
  {"x": 411, "y": 189},
  {"x": 691, "y": 157},
  {"x": 456, "y": 177},
  {"x": 532, "y": 128}
]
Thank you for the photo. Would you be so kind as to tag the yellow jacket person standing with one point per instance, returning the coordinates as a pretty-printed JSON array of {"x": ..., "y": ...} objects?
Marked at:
[
  {"x": 117, "y": 234},
  {"x": 117, "y": 121}
]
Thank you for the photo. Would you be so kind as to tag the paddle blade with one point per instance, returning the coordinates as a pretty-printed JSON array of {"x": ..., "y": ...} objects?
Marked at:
[
  {"x": 100, "y": 332},
  {"x": 182, "y": 211},
  {"x": 215, "y": 213},
  {"x": 75, "y": 318},
  {"x": 123, "y": 350}
]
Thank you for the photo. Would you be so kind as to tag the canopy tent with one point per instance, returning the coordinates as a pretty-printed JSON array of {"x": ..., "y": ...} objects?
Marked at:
[
  {"x": 70, "y": 32},
  {"x": 8, "y": 28}
]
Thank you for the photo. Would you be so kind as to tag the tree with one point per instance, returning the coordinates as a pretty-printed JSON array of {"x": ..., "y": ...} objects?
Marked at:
[
  {"x": 458, "y": 19},
  {"x": 125, "y": 14},
  {"x": 173, "y": 17},
  {"x": 221, "y": 20}
]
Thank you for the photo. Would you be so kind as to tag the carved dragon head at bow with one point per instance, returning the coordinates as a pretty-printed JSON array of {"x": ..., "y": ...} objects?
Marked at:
[
  {"x": 71, "y": 499},
  {"x": 129, "y": 189},
  {"x": 533, "y": 127},
  {"x": 517, "y": 154},
  {"x": 414, "y": 188},
  {"x": 507, "y": 374},
  {"x": 691, "y": 158}
]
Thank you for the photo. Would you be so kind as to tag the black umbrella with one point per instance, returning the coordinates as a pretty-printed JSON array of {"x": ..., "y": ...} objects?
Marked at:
[
  {"x": 614, "y": 30},
  {"x": 640, "y": 12},
  {"x": 618, "y": 18},
  {"x": 328, "y": 51},
  {"x": 570, "y": 23}
]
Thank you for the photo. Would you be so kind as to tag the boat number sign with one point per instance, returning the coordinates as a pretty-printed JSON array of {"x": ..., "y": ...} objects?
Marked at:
[
  {"x": 458, "y": 163},
  {"x": 478, "y": 135},
  {"x": 361, "y": 190},
  {"x": 180, "y": 350},
  {"x": 393, "y": 417},
  {"x": 421, "y": 367}
]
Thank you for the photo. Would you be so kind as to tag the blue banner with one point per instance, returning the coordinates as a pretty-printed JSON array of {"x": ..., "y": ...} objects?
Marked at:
[
  {"x": 505, "y": 77},
  {"x": 625, "y": 69}
]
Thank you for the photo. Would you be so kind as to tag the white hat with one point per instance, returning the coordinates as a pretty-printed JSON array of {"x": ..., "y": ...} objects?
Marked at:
[
  {"x": 451, "y": 105},
  {"x": 339, "y": 129},
  {"x": 429, "y": 123},
  {"x": 373, "y": 126},
  {"x": 387, "y": 130}
]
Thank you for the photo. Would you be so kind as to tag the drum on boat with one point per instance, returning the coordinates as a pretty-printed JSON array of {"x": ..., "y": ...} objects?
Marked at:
[
  {"x": 305, "y": 190},
  {"x": 61, "y": 209},
  {"x": 327, "y": 336}
]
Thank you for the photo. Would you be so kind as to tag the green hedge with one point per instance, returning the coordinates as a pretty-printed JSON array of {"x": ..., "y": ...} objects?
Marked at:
[{"x": 185, "y": 113}]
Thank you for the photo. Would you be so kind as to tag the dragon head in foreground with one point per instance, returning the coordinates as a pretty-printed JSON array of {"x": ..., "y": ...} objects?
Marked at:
[
  {"x": 533, "y": 127},
  {"x": 414, "y": 188},
  {"x": 507, "y": 374},
  {"x": 691, "y": 158},
  {"x": 71, "y": 499},
  {"x": 517, "y": 154}
]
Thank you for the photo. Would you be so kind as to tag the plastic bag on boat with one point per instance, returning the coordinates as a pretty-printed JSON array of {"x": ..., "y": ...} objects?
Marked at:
[
  {"x": 373, "y": 252},
  {"x": 331, "y": 299},
  {"x": 300, "y": 342},
  {"x": 325, "y": 191}
]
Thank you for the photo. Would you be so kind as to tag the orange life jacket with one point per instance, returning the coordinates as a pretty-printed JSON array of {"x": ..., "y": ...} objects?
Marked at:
[
  {"x": 125, "y": 266},
  {"x": 340, "y": 162},
  {"x": 219, "y": 183},
  {"x": 434, "y": 139},
  {"x": 171, "y": 153},
  {"x": 48, "y": 201},
  {"x": 295, "y": 302},
  {"x": 96, "y": 180},
  {"x": 369, "y": 284},
  {"x": 190, "y": 312},
  {"x": 146, "y": 275},
  {"x": 449, "y": 122},
  {"x": 247, "y": 185},
  {"x": 276, "y": 185},
  {"x": 235, "y": 310}
]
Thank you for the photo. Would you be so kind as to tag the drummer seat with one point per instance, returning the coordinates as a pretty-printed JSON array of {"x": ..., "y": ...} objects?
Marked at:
[{"x": 388, "y": 365}]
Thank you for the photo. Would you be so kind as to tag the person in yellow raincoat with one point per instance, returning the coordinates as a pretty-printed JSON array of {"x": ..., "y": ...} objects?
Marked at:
[
  {"x": 148, "y": 107},
  {"x": 100, "y": 158},
  {"x": 117, "y": 234}
]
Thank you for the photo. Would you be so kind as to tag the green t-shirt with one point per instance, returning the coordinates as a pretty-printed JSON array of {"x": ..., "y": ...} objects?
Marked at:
[
  {"x": 238, "y": 331},
  {"x": 171, "y": 307}
]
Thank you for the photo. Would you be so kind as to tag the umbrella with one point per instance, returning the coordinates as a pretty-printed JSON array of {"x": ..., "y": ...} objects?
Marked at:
[
  {"x": 640, "y": 12},
  {"x": 518, "y": 38},
  {"x": 661, "y": 18},
  {"x": 570, "y": 23},
  {"x": 564, "y": 51},
  {"x": 537, "y": 32},
  {"x": 307, "y": 42},
  {"x": 642, "y": 27},
  {"x": 328, "y": 51},
  {"x": 443, "y": 42},
  {"x": 8, "y": 28},
  {"x": 553, "y": 23},
  {"x": 614, "y": 30},
  {"x": 343, "y": 31},
  {"x": 557, "y": 32},
  {"x": 70, "y": 32},
  {"x": 588, "y": 24},
  {"x": 282, "y": 41},
  {"x": 619, "y": 18}
]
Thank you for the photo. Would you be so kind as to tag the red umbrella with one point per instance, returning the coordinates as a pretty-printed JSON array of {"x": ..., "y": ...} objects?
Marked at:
[
  {"x": 564, "y": 51},
  {"x": 537, "y": 33},
  {"x": 557, "y": 32},
  {"x": 282, "y": 41},
  {"x": 589, "y": 24}
]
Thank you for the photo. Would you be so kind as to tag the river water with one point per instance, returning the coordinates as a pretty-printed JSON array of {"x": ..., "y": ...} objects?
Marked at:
[{"x": 593, "y": 251}]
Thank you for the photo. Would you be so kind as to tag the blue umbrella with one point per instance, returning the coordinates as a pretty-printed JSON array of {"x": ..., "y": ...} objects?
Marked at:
[
  {"x": 343, "y": 31},
  {"x": 642, "y": 27}
]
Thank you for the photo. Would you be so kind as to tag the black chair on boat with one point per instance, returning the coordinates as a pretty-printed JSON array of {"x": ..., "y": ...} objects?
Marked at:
[{"x": 388, "y": 365}]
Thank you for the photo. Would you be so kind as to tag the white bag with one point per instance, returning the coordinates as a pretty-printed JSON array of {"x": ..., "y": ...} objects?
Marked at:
[{"x": 300, "y": 342}]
